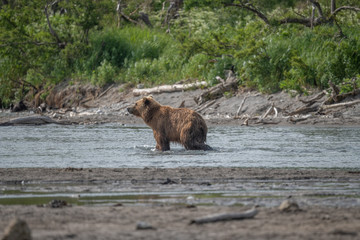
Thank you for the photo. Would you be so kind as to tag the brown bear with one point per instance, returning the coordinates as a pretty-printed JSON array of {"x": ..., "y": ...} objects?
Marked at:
[{"x": 169, "y": 124}]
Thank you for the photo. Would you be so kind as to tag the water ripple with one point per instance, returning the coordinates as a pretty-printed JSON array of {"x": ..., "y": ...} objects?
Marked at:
[{"x": 113, "y": 145}]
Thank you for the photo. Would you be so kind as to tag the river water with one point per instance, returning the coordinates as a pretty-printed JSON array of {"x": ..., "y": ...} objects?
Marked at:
[{"x": 118, "y": 146}]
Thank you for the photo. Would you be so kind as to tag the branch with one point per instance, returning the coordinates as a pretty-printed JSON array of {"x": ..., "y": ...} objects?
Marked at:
[
  {"x": 299, "y": 14},
  {"x": 345, "y": 104},
  {"x": 317, "y": 5},
  {"x": 303, "y": 21},
  {"x": 251, "y": 8},
  {"x": 60, "y": 44},
  {"x": 344, "y": 8},
  {"x": 24, "y": 82},
  {"x": 128, "y": 18},
  {"x": 28, "y": 42},
  {"x": 145, "y": 18}
]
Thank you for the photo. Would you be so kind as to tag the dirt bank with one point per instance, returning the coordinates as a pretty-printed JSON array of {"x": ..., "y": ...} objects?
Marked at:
[
  {"x": 171, "y": 220},
  {"x": 87, "y": 104},
  {"x": 214, "y": 174}
]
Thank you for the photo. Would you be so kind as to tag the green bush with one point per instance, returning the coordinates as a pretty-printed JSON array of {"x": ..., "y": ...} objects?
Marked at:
[
  {"x": 218, "y": 69},
  {"x": 136, "y": 55},
  {"x": 104, "y": 74},
  {"x": 348, "y": 85},
  {"x": 204, "y": 39}
]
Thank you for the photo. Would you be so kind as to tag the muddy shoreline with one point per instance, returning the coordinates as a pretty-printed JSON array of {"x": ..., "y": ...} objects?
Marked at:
[
  {"x": 81, "y": 104},
  {"x": 329, "y": 208},
  {"x": 15, "y": 175}
]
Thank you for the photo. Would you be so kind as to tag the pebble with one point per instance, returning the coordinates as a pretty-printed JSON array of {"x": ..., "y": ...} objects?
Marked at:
[
  {"x": 289, "y": 206},
  {"x": 144, "y": 226}
]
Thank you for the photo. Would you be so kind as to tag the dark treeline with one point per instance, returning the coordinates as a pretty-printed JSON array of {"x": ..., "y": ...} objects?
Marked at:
[{"x": 271, "y": 45}]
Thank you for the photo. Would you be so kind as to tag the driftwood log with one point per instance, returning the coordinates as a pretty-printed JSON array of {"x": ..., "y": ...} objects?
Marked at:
[
  {"x": 322, "y": 103},
  {"x": 315, "y": 98},
  {"x": 240, "y": 108},
  {"x": 342, "y": 96},
  {"x": 32, "y": 120},
  {"x": 325, "y": 106},
  {"x": 168, "y": 88},
  {"x": 218, "y": 91},
  {"x": 345, "y": 104},
  {"x": 204, "y": 106},
  {"x": 226, "y": 217},
  {"x": 304, "y": 110}
]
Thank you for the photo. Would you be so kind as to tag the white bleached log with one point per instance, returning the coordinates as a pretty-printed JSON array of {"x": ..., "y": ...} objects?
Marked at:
[
  {"x": 168, "y": 88},
  {"x": 226, "y": 217}
]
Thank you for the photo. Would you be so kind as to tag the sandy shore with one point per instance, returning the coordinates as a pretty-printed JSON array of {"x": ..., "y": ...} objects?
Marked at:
[
  {"x": 214, "y": 174},
  {"x": 334, "y": 214}
]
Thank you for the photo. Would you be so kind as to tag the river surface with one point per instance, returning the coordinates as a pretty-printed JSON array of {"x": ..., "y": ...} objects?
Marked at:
[{"x": 119, "y": 146}]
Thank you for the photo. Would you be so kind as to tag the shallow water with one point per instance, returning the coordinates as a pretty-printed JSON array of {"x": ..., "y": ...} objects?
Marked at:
[
  {"x": 114, "y": 145},
  {"x": 267, "y": 193}
]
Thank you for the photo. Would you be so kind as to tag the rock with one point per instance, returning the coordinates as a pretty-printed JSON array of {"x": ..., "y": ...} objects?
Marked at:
[
  {"x": 18, "y": 107},
  {"x": 31, "y": 120},
  {"x": 169, "y": 181},
  {"x": 57, "y": 203},
  {"x": 289, "y": 206},
  {"x": 41, "y": 108},
  {"x": 17, "y": 230},
  {"x": 144, "y": 226}
]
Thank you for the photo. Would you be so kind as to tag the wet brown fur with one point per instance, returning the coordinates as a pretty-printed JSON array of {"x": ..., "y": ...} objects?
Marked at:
[{"x": 180, "y": 125}]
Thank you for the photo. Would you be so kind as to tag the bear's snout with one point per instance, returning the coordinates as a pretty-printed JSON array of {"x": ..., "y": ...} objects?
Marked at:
[{"x": 130, "y": 110}]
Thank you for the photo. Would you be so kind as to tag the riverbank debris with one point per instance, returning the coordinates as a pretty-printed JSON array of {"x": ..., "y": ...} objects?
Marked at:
[
  {"x": 168, "y": 88},
  {"x": 289, "y": 206},
  {"x": 144, "y": 226},
  {"x": 32, "y": 120},
  {"x": 226, "y": 217}
]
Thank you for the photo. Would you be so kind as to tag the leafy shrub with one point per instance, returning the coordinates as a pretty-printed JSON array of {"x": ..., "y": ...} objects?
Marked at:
[
  {"x": 349, "y": 85},
  {"x": 196, "y": 67},
  {"x": 205, "y": 39},
  {"x": 104, "y": 74},
  {"x": 107, "y": 45},
  {"x": 218, "y": 69}
]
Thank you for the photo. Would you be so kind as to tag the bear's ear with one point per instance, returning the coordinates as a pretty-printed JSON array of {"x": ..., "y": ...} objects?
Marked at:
[{"x": 146, "y": 101}]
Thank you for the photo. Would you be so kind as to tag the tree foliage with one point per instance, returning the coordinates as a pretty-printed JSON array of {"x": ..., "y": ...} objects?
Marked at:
[{"x": 270, "y": 44}]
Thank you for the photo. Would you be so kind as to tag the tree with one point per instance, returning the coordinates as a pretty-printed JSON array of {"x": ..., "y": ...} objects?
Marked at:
[
  {"x": 310, "y": 21},
  {"x": 41, "y": 40}
]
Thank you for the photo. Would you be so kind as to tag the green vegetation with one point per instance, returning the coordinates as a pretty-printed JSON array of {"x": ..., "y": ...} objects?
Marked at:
[{"x": 270, "y": 48}]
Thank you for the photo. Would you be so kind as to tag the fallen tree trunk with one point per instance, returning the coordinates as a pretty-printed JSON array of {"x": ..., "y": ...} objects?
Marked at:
[
  {"x": 341, "y": 97},
  {"x": 226, "y": 217},
  {"x": 345, "y": 104},
  {"x": 272, "y": 108},
  {"x": 217, "y": 91},
  {"x": 314, "y": 99},
  {"x": 32, "y": 120},
  {"x": 202, "y": 107},
  {"x": 300, "y": 119},
  {"x": 304, "y": 110},
  {"x": 317, "y": 109},
  {"x": 240, "y": 107},
  {"x": 168, "y": 88}
]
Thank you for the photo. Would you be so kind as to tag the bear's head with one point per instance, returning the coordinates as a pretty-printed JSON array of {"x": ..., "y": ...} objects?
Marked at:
[{"x": 144, "y": 108}]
